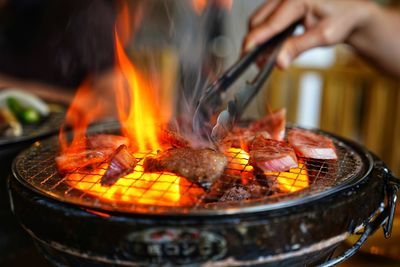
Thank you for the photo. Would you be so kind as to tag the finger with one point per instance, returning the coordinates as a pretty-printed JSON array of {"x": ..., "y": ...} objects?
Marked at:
[
  {"x": 263, "y": 13},
  {"x": 287, "y": 13},
  {"x": 322, "y": 35}
]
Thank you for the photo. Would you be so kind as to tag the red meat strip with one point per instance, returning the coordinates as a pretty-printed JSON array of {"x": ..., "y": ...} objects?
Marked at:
[
  {"x": 273, "y": 123},
  {"x": 122, "y": 162},
  {"x": 272, "y": 156},
  {"x": 310, "y": 145}
]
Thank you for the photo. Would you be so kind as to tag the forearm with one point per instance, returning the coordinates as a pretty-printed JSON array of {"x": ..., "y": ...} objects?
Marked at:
[{"x": 379, "y": 39}]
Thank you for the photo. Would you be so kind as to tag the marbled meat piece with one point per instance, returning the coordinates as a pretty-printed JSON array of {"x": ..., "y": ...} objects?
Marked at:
[
  {"x": 271, "y": 155},
  {"x": 311, "y": 145},
  {"x": 201, "y": 166},
  {"x": 273, "y": 123},
  {"x": 122, "y": 162}
]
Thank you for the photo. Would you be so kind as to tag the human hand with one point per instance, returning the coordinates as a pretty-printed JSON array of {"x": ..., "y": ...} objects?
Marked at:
[{"x": 326, "y": 22}]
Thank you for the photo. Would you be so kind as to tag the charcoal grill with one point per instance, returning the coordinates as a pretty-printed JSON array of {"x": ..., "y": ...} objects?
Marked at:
[
  {"x": 84, "y": 228},
  {"x": 11, "y": 236}
]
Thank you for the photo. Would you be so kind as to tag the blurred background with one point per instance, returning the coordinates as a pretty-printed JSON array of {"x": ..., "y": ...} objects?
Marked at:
[{"x": 49, "y": 47}]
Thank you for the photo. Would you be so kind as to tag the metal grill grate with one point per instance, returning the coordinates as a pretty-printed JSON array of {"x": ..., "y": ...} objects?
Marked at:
[{"x": 168, "y": 193}]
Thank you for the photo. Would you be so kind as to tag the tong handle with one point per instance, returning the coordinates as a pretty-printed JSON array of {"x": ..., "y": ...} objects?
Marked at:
[
  {"x": 271, "y": 47},
  {"x": 233, "y": 73}
]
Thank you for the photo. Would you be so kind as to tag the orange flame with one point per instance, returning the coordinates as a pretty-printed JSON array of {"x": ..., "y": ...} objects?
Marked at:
[
  {"x": 138, "y": 187},
  {"x": 199, "y": 5},
  {"x": 136, "y": 102},
  {"x": 136, "y": 108},
  {"x": 79, "y": 118},
  {"x": 295, "y": 180}
]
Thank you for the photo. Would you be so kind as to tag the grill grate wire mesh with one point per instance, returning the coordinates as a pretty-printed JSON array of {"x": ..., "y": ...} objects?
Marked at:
[{"x": 155, "y": 193}]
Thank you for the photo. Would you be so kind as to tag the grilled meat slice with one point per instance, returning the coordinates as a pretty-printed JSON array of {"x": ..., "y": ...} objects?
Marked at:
[
  {"x": 241, "y": 138},
  {"x": 172, "y": 138},
  {"x": 71, "y": 161},
  {"x": 122, "y": 162},
  {"x": 106, "y": 141},
  {"x": 201, "y": 166},
  {"x": 310, "y": 145},
  {"x": 273, "y": 123},
  {"x": 272, "y": 126},
  {"x": 89, "y": 151},
  {"x": 272, "y": 156}
]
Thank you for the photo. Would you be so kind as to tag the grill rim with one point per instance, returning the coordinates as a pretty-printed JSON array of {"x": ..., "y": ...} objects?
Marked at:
[{"x": 367, "y": 165}]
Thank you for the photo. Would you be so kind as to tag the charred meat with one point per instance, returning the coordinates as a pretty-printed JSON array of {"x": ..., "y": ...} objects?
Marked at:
[
  {"x": 272, "y": 156},
  {"x": 172, "y": 138},
  {"x": 310, "y": 145},
  {"x": 201, "y": 166},
  {"x": 122, "y": 162},
  {"x": 244, "y": 192}
]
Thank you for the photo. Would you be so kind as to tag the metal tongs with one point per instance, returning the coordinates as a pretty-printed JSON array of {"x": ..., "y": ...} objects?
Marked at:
[{"x": 210, "y": 102}]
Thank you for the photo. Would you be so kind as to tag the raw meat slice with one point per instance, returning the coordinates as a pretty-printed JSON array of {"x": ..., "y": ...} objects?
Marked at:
[
  {"x": 310, "y": 145},
  {"x": 272, "y": 156}
]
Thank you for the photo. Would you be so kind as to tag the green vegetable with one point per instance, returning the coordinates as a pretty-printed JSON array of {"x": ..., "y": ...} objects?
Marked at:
[{"x": 26, "y": 115}]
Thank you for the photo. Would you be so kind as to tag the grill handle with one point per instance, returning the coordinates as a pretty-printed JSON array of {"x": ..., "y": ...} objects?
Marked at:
[{"x": 382, "y": 217}]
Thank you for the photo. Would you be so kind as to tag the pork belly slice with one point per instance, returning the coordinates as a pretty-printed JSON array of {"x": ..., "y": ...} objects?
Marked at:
[
  {"x": 310, "y": 145},
  {"x": 201, "y": 166},
  {"x": 122, "y": 162},
  {"x": 273, "y": 123},
  {"x": 71, "y": 161},
  {"x": 271, "y": 155}
]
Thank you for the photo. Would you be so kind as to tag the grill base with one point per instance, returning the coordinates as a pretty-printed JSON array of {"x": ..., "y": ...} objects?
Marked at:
[
  {"x": 72, "y": 235},
  {"x": 62, "y": 258}
]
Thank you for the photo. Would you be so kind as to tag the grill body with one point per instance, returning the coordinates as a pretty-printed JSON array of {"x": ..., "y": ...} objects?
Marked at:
[{"x": 303, "y": 232}]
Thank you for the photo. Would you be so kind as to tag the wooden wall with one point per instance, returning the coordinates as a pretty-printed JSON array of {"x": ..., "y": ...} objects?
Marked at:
[{"x": 357, "y": 102}]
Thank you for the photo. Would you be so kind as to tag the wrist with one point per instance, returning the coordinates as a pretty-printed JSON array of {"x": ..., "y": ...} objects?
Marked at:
[{"x": 365, "y": 23}]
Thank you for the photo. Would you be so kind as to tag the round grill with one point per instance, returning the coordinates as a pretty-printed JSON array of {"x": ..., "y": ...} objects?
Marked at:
[{"x": 36, "y": 168}]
